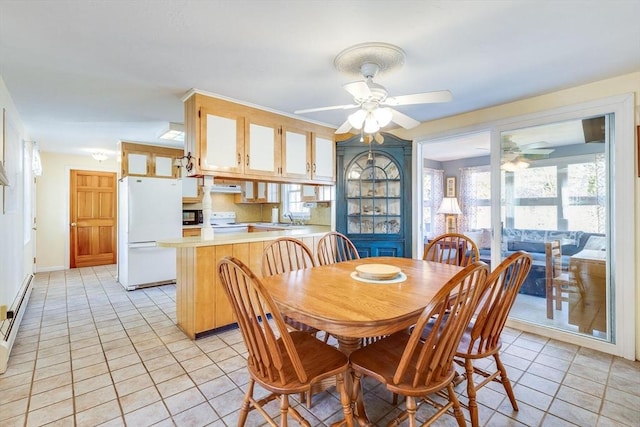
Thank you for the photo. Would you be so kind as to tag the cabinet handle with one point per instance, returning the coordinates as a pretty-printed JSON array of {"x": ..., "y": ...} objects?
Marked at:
[
  {"x": 239, "y": 160},
  {"x": 314, "y": 168},
  {"x": 308, "y": 167},
  {"x": 247, "y": 160}
]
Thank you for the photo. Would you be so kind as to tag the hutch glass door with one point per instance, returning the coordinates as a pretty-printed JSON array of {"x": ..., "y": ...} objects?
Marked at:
[{"x": 373, "y": 195}]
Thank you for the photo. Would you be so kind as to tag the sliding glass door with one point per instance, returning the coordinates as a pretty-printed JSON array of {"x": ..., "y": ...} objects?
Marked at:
[
  {"x": 559, "y": 185},
  {"x": 554, "y": 181}
]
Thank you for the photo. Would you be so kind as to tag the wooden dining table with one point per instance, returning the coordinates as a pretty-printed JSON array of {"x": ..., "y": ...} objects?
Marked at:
[{"x": 329, "y": 298}]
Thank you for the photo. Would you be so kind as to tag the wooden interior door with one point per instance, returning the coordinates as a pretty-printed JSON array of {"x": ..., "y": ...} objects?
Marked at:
[{"x": 92, "y": 218}]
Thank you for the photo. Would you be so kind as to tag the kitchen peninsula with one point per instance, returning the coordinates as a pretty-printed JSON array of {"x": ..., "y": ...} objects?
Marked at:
[{"x": 201, "y": 304}]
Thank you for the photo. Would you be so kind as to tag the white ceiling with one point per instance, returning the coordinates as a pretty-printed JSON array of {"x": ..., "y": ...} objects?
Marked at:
[{"x": 86, "y": 74}]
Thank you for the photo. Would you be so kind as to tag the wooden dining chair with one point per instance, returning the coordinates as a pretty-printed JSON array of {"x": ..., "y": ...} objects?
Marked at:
[
  {"x": 559, "y": 283},
  {"x": 407, "y": 365},
  {"x": 452, "y": 248},
  {"x": 335, "y": 247},
  {"x": 481, "y": 338},
  {"x": 281, "y": 361},
  {"x": 281, "y": 256}
]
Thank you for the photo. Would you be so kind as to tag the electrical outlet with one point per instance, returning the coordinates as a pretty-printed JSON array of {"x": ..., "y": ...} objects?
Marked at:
[{"x": 3, "y": 312}]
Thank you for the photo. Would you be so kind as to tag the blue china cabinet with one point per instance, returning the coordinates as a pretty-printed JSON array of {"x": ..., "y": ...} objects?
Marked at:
[{"x": 373, "y": 195}]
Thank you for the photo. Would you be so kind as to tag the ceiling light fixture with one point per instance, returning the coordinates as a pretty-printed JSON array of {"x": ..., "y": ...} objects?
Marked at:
[
  {"x": 514, "y": 165},
  {"x": 99, "y": 155},
  {"x": 175, "y": 132}
]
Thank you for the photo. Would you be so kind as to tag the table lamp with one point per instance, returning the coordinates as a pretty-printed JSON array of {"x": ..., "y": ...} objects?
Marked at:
[{"x": 450, "y": 208}]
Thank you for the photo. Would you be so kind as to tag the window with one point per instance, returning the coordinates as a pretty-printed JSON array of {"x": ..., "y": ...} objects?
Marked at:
[
  {"x": 475, "y": 197},
  {"x": 568, "y": 194},
  {"x": 432, "y": 194},
  {"x": 292, "y": 201}
]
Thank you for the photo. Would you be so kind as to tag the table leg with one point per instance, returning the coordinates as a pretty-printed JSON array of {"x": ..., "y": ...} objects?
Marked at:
[{"x": 348, "y": 345}]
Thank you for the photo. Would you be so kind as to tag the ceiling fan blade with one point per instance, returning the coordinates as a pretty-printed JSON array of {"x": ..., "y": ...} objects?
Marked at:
[
  {"x": 334, "y": 107},
  {"x": 359, "y": 90},
  {"x": 420, "y": 98},
  {"x": 344, "y": 128},
  {"x": 539, "y": 151},
  {"x": 403, "y": 120}
]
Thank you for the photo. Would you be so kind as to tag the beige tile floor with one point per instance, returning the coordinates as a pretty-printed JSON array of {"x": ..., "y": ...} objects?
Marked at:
[{"x": 89, "y": 353}]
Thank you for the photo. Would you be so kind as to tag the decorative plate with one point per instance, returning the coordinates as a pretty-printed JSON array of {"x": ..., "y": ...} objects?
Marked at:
[{"x": 377, "y": 271}]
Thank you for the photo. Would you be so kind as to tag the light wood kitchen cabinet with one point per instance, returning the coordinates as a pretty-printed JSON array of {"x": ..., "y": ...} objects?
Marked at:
[
  {"x": 323, "y": 166},
  {"x": 296, "y": 153},
  {"x": 262, "y": 147},
  {"x": 191, "y": 232},
  {"x": 259, "y": 192},
  {"x": 230, "y": 140},
  {"x": 149, "y": 160},
  {"x": 317, "y": 193},
  {"x": 222, "y": 142}
]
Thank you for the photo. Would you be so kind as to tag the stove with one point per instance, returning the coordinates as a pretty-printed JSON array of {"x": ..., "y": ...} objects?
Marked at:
[{"x": 225, "y": 222}]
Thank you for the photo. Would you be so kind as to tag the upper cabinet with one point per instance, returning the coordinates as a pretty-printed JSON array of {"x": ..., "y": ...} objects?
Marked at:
[
  {"x": 149, "y": 160},
  {"x": 231, "y": 140}
]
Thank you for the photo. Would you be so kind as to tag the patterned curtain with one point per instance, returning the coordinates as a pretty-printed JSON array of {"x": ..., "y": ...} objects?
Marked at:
[
  {"x": 438, "y": 195},
  {"x": 468, "y": 197}
]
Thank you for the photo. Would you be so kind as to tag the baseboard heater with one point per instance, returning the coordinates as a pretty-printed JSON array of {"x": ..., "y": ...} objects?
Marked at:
[{"x": 9, "y": 326}]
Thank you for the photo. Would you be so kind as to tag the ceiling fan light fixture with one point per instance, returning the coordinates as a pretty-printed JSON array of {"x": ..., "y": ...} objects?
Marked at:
[
  {"x": 383, "y": 116},
  {"x": 371, "y": 124},
  {"x": 356, "y": 120}
]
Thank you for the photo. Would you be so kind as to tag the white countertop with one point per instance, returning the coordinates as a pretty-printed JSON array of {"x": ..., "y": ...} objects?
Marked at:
[{"x": 231, "y": 238}]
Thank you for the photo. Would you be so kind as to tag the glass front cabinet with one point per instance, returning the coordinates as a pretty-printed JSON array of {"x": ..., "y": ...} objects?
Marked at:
[{"x": 374, "y": 195}]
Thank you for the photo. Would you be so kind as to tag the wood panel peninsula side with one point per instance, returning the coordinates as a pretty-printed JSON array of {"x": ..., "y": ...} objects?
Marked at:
[{"x": 201, "y": 304}]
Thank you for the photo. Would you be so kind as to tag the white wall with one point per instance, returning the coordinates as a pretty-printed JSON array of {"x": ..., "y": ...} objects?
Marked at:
[
  {"x": 628, "y": 83},
  {"x": 15, "y": 255},
  {"x": 52, "y": 206}
]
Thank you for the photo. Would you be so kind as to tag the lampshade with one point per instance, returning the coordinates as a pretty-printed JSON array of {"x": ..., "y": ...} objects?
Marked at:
[
  {"x": 449, "y": 206},
  {"x": 371, "y": 124},
  {"x": 356, "y": 120},
  {"x": 383, "y": 116}
]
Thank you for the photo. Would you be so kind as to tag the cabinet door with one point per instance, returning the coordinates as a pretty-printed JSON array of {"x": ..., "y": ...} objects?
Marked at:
[
  {"x": 296, "y": 153},
  {"x": 222, "y": 142},
  {"x": 163, "y": 166},
  {"x": 324, "y": 159},
  {"x": 190, "y": 190},
  {"x": 309, "y": 193},
  {"x": 137, "y": 163},
  {"x": 262, "y": 148}
]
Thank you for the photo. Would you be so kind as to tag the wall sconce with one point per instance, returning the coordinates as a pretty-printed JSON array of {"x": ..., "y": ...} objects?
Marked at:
[
  {"x": 179, "y": 164},
  {"x": 450, "y": 209},
  {"x": 99, "y": 155}
]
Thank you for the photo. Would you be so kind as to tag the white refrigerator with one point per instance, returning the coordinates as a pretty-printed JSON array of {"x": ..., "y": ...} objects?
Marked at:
[{"x": 149, "y": 209}]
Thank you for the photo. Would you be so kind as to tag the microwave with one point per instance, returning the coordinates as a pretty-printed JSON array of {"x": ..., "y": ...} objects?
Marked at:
[{"x": 192, "y": 217}]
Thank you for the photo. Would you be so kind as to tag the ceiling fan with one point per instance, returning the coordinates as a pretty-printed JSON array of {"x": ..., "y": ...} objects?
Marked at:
[
  {"x": 372, "y": 100},
  {"x": 532, "y": 151},
  {"x": 516, "y": 156}
]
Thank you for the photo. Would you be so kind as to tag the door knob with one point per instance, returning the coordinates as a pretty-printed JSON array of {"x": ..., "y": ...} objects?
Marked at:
[{"x": 73, "y": 224}]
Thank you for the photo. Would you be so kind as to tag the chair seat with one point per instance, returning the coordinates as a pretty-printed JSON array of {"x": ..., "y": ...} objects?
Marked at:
[
  {"x": 318, "y": 360},
  {"x": 475, "y": 352},
  {"x": 381, "y": 359}
]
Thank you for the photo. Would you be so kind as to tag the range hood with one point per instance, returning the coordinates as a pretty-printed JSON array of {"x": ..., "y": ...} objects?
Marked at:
[{"x": 226, "y": 188}]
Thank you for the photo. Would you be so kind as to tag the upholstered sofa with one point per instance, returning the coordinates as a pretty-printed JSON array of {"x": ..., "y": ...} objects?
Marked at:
[{"x": 532, "y": 241}]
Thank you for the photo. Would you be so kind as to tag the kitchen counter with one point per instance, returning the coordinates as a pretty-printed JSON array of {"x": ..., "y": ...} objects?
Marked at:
[
  {"x": 295, "y": 231},
  {"x": 202, "y": 306}
]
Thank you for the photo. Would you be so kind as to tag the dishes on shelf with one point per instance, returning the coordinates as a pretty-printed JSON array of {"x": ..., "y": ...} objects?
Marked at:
[{"x": 377, "y": 271}]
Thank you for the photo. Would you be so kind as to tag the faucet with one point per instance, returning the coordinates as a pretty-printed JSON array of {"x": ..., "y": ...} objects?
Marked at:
[{"x": 290, "y": 216}]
